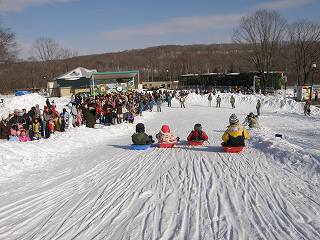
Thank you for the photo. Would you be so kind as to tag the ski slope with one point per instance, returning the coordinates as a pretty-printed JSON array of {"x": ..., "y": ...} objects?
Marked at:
[{"x": 88, "y": 183}]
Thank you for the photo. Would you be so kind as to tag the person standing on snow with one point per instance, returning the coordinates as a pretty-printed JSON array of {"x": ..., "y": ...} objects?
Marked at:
[
  {"x": 306, "y": 108},
  {"x": 141, "y": 107},
  {"x": 232, "y": 101},
  {"x": 159, "y": 102},
  {"x": 258, "y": 106},
  {"x": 90, "y": 117},
  {"x": 182, "y": 101},
  {"x": 73, "y": 114},
  {"x": 218, "y": 101},
  {"x": 169, "y": 99},
  {"x": 64, "y": 120},
  {"x": 4, "y": 129},
  {"x": 235, "y": 135},
  {"x": 210, "y": 99}
]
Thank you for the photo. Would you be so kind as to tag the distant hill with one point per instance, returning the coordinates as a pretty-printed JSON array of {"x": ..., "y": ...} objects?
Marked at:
[{"x": 152, "y": 62}]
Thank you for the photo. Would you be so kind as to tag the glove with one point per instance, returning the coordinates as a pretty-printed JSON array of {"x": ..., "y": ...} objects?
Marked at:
[
  {"x": 151, "y": 138},
  {"x": 178, "y": 139}
]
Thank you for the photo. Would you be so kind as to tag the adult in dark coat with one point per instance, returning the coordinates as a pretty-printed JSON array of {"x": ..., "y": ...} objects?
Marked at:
[
  {"x": 17, "y": 118},
  {"x": 91, "y": 117},
  {"x": 4, "y": 129}
]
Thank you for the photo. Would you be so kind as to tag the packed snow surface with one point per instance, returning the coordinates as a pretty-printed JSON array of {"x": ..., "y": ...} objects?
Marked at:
[{"x": 89, "y": 184}]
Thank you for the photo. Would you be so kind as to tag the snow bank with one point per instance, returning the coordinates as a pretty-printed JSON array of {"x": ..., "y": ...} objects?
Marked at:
[
  {"x": 288, "y": 155},
  {"x": 275, "y": 103},
  {"x": 17, "y": 157},
  {"x": 27, "y": 101}
]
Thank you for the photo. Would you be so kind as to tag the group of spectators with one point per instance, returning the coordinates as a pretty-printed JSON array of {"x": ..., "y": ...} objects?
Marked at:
[{"x": 109, "y": 109}]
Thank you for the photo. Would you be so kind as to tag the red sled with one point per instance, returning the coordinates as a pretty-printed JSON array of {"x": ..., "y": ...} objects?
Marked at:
[
  {"x": 167, "y": 145},
  {"x": 232, "y": 149},
  {"x": 192, "y": 143}
]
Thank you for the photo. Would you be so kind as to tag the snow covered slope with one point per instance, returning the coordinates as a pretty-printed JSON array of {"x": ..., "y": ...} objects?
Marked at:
[{"x": 88, "y": 183}]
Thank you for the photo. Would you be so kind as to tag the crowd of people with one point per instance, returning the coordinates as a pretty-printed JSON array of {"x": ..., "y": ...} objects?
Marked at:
[{"x": 109, "y": 109}]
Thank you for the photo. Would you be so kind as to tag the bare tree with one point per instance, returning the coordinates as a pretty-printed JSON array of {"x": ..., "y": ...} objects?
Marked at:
[
  {"x": 8, "y": 45},
  {"x": 65, "y": 53},
  {"x": 305, "y": 40},
  {"x": 46, "y": 49},
  {"x": 263, "y": 32},
  {"x": 8, "y": 53}
]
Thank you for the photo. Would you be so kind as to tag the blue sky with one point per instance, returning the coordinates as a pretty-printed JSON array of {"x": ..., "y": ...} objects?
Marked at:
[{"x": 99, "y": 26}]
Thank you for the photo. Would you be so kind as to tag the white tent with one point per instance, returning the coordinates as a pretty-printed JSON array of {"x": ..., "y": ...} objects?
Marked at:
[{"x": 76, "y": 74}]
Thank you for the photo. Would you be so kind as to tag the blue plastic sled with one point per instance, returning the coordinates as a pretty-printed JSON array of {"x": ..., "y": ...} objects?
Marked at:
[{"x": 140, "y": 147}]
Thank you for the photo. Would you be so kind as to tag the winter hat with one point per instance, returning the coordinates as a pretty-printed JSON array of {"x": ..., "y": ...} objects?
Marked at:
[
  {"x": 165, "y": 129},
  {"x": 140, "y": 128},
  {"x": 233, "y": 119},
  {"x": 198, "y": 127}
]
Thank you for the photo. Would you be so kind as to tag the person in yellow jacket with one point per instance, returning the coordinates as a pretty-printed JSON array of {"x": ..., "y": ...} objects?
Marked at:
[
  {"x": 36, "y": 129},
  {"x": 235, "y": 135}
]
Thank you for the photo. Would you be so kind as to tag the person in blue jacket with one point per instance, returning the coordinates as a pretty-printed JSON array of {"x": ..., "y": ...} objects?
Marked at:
[
  {"x": 141, "y": 107},
  {"x": 169, "y": 99}
]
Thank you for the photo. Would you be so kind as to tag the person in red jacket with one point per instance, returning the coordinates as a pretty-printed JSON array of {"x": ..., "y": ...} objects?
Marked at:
[{"x": 197, "y": 135}]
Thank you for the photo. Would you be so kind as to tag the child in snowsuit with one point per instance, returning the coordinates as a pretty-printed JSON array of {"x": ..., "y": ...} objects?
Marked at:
[
  {"x": 197, "y": 135},
  {"x": 79, "y": 118},
  {"x": 306, "y": 109},
  {"x": 130, "y": 117},
  {"x": 235, "y": 135},
  {"x": 51, "y": 126},
  {"x": 36, "y": 129},
  {"x": 140, "y": 137},
  {"x": 23, "y": 136},
  {"x": 14, "y": 132},
  {"x": 252, "y": 120},
  {"x": 165, "y": 136}
]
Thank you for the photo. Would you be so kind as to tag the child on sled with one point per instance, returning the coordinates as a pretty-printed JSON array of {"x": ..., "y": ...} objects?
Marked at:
[
  {"x": 197, "y": 135},
  {"x": 165, "y": 135}
]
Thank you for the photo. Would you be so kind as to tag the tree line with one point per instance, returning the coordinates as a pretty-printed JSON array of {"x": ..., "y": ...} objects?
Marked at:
[{"x": 262, "y": 42}]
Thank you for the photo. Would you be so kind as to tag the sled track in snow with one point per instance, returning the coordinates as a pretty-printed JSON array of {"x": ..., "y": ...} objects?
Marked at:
[{"x": 180, "y": 193}]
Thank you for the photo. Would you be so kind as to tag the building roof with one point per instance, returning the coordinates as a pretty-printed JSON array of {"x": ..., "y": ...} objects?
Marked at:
[
  {"x": 115, "y": 75},
  {"x": 76, "y": 74}
]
